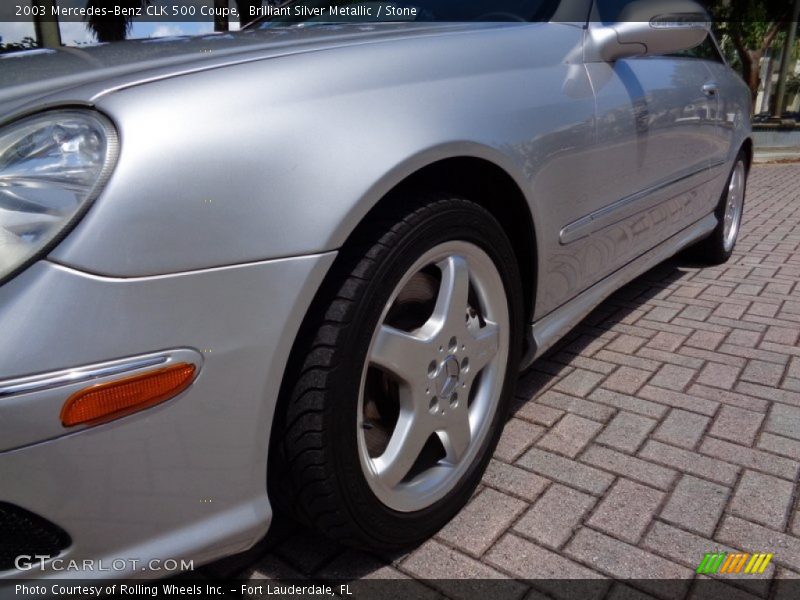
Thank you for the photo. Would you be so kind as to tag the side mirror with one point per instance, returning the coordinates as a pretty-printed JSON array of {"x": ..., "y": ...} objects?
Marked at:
[{"x": 649, "y": 28}]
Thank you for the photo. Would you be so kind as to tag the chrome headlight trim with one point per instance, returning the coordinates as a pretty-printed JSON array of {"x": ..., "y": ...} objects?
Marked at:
[{"x": 112, "y": 146}]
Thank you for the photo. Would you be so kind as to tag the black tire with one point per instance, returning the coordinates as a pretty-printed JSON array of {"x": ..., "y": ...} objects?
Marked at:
[
  {"x": 712, "y": 250},
  {"x": 314, "y": 463}
]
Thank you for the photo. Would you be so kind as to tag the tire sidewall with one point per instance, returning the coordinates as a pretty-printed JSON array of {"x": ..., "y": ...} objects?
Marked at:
[{"x": 462, "y": 221}]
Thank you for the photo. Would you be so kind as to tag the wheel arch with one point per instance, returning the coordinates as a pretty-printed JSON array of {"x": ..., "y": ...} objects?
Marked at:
[
  {"x": 747, "y": 148},
  {"x": 490, "y": 186},
  {"x": 476, "y": 178},
  {"x": 486, "y": 183}
]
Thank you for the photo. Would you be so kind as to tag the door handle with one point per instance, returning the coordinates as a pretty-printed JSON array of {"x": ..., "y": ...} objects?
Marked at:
[{"x": 711, "y": 89}]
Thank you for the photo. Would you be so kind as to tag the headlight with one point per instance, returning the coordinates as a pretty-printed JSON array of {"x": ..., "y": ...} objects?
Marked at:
[{"x": 52, "y": 166}]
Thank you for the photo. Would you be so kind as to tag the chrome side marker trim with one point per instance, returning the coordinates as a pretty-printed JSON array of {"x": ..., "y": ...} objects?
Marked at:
[{"x": 30, "y": 406}]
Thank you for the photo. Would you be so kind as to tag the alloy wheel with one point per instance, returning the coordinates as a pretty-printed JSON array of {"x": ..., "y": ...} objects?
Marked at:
[
  {"x": 433, "y": 377},
  {"x": 733, "y": 206}
]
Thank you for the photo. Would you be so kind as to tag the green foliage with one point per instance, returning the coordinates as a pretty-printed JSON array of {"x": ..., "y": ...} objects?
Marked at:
[
  {"x": 793, "y": 84},
  {"x": 747, "y": 29},
  {"x": 751, "y": 21},
  {"x": 26, "y": 43},
  {"x": 112, "y": 28}
]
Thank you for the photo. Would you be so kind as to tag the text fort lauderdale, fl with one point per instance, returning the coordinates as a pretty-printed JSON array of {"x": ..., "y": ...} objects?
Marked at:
[{"x": 206, "y": 590}]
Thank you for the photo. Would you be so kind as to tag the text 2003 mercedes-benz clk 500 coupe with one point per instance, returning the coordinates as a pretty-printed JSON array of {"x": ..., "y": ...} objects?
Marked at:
[{"x": 301, "y": 266}]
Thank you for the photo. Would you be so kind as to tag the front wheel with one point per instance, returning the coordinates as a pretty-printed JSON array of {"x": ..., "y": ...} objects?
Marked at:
[{"x": 400, "y": 391}]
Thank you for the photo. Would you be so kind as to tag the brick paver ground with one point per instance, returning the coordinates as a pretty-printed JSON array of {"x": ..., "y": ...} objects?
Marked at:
[{"x": 665, "y": 426}]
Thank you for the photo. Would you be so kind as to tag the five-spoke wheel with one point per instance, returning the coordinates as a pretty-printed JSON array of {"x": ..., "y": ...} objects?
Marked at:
[
  {"x": 734, "y": 204},
  {"x": 718, "y": 247},
  {"x": 432, "y": 386},
  {"x": 398, "y": 390}
]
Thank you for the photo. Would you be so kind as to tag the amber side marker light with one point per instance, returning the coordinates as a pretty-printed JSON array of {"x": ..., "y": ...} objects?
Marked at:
[{"x": 107, "y": 401}]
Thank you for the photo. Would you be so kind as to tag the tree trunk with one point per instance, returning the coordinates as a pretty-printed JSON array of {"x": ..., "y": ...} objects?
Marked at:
[
  {"x": 48, "y": 33},
  {"x": 751, "y": 59},
  {"x": 220, "y": 20},
  {"x": 788, "y": 46},
  {"x": 753, "y": 69},
  {"x": 751, "y": 62},
  {"x": 243, "y": 7}
]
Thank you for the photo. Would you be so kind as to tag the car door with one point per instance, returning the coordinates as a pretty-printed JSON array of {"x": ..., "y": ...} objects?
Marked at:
[
  {"x": 654, "y": 133},
  {"x": 732, "y": 107}
]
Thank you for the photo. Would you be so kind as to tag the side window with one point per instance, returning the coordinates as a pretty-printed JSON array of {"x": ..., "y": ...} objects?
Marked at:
[
  {"x": 706, "y": 51},
  {"x": 608, "y": 11}
]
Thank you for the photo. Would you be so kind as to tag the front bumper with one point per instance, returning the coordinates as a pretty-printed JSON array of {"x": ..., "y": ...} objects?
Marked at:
[{"x": 185, "y": 479}]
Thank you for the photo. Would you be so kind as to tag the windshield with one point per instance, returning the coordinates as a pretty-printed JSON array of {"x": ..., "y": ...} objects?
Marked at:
[{"x": 370, "y": 11}]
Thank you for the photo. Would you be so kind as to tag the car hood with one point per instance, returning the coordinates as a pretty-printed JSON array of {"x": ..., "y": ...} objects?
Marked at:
[{"x": 41, "y": 77}]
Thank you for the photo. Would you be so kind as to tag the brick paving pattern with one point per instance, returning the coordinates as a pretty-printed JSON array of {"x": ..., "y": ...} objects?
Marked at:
[{"x": 665, "y": 426}]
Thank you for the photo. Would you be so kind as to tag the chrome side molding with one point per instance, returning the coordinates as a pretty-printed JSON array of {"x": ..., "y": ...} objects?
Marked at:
[{"x": 30, "y": 405}]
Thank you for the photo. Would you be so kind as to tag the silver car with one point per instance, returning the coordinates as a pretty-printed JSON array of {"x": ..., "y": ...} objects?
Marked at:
[{"x": 300, "y": 267}]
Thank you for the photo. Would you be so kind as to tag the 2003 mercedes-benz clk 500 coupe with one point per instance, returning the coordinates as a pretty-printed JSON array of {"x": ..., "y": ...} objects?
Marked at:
[{"x": 301, "y": 266}]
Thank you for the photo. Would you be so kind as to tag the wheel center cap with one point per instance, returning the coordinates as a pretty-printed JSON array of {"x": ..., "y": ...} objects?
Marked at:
[{"x": 447, "y": 377}]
